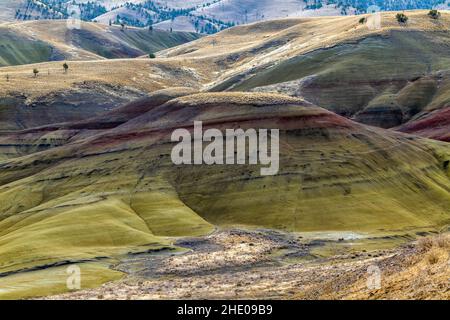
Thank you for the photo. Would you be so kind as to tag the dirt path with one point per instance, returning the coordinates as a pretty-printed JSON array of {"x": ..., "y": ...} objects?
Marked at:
[{"x": 236, "y": 264}]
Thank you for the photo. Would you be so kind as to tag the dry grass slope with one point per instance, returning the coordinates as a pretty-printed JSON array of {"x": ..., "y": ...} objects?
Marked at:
[{"x": 90, "y": 41}]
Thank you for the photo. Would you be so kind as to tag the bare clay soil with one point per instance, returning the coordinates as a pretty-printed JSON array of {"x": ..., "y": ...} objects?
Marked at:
[{"x": 237, "y": 264}]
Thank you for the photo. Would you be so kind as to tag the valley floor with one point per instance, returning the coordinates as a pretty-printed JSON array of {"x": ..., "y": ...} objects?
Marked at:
[{"x": 263, "y": 264}]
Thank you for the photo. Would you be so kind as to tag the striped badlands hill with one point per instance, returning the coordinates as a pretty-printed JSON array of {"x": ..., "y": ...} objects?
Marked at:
[
  {"x": 127, "y": 195},
  {"x": 435, "y": 125}
]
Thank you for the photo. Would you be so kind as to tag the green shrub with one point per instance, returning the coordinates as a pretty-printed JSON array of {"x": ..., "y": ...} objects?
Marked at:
[
  {"x": 434, "y": 14},
  {"x": 402, "y": 18}
]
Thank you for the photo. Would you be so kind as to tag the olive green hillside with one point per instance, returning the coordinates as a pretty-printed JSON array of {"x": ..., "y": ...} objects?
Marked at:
[
  {"x": 86, "y": 174},
  {"x": 118, "y": 191},
  {"x": 383, "y": 76},
  {"x": 87, "y": 89},
  {"x": 47, "y": 40},
  {"x": 18, "y": 49},
  {"x": 382, "y": 81}
]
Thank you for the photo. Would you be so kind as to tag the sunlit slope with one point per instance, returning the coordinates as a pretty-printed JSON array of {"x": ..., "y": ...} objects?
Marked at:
[
  {"x": 47, "y": 40},
  {"x": 17, "y": 49},
  {"x": 335, "y": 175},
  {"x": 89, "y": 88},
  {"x": 248, "y": 49},
  {"x": 110, "y": 217},
  {"x": 367, "y": 67},
  {"x": 51, "y": 281},
  {"x": 118, "y": 191},
  {"x": 365, "y": 79},
  {"x": 382, "y": 77}
]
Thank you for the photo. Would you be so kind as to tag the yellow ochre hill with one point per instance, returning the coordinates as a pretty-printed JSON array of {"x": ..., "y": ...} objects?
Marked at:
[
  {"x": 86, "y": 175},
  {"x": 117, "y": 191}
]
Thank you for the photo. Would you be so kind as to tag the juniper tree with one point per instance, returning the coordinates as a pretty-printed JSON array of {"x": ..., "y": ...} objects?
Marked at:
[
  {"x": 402, "y": 18},
  {"x": 434, "y": 14}
]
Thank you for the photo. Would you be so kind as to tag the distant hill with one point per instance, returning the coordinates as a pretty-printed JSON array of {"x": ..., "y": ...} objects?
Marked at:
[
  {"x": 38, "y": 41},
  {"x": 8, "y": 9},
  {"x": 384, "y": 77},
  {"x": 203, "y": 16},
  {"x": 86, "y": 175},
  {"x": 381, "y": 81}
]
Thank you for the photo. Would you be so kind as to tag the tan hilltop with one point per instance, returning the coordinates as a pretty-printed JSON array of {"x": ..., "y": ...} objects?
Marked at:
[
  {"x": 230, "y": 51},
  {"x": 291, "y": 56}
]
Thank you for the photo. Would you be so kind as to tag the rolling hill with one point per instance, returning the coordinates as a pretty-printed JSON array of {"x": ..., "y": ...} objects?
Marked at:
[
  {"x": 17, "y": 49},
  {"x": 85, "y": 170},
  {"x": 203, "y": 16},
  {"x": 381, "y": 81},
  {"x": 87, "y": 89},
  {"x": 383, "y": 77},
  {"x": 40, "y": 41},
  {"x": 299, "y": 57},
  {"x": 126, "y": 195}
]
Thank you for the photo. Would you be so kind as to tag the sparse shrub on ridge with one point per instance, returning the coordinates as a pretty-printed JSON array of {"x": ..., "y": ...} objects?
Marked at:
[
  {"x": 35, "y": 72},
  {"x": 151, "y": 56},
  {"x": 434, "y": 14},
  {"x": 362, "y": 20},
  {"x": 443, "y": 241},
  {"x": 433, "y": 257},
  {"x": 402, "y": 18},
  {"x": 425, "y": 244}
]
